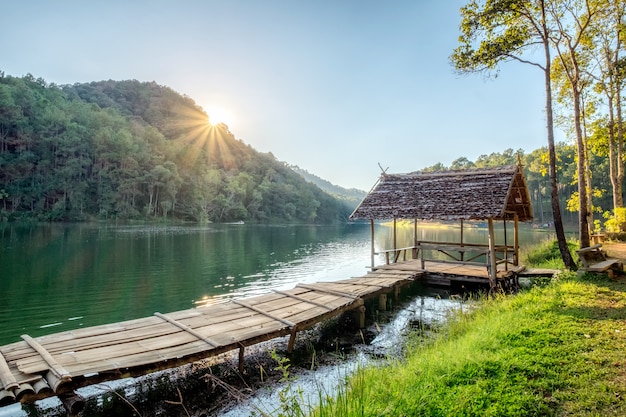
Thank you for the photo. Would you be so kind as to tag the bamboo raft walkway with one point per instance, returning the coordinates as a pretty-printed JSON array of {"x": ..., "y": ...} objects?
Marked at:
[{"x": 57, "y": 364}]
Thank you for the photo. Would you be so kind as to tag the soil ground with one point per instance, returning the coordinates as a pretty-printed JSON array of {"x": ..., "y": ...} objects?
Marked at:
[{"x": 615, "y": 249}]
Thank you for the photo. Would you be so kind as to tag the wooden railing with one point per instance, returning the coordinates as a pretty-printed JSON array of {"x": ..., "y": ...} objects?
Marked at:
[
  {"x": 463, "y": 253},
  {"x": 393, "y": 255}
]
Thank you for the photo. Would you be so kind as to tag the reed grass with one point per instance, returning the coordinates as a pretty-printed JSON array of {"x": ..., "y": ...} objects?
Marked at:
[{"x": 554, "y": 350}]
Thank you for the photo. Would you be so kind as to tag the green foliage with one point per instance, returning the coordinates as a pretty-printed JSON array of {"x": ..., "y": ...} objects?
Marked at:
[
  {"x": 548, "y": 351},
  {"x": 616, "y": 222},
  {"x": 129, "y": 150},
  {"x": 291, "y": 402}
]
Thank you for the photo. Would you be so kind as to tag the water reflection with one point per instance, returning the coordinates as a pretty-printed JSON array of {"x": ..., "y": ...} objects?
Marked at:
[{"x": 57, "y": 277}]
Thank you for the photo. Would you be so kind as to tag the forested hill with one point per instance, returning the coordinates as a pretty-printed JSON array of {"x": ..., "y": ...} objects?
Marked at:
[
  {"x": 352, "y": 196},
  {"x": 136, "y": 150}
]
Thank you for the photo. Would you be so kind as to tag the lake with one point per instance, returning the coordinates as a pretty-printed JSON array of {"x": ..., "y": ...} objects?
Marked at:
[{"x": 58, "y": 277}]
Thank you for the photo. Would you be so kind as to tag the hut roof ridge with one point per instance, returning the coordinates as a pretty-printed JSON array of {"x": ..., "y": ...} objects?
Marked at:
[
  {"x": 467, "y": 171},
  {"x": 479, "y": 193}
]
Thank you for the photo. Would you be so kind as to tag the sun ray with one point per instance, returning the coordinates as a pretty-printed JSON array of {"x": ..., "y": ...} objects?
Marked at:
[{"x": 194, "y": 129}]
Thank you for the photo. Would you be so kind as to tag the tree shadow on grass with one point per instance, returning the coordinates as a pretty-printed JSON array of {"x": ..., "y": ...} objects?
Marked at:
[{"x": 608, "y": 301}]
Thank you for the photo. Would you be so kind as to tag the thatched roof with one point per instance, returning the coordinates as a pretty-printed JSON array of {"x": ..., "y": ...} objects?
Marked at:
[{"x": 475, "y": 194}]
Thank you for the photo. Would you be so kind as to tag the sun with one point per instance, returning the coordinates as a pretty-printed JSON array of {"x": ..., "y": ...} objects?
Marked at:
[{"x": 219, "y": 115}]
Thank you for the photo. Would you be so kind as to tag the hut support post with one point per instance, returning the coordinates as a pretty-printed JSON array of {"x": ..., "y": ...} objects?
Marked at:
[
  {"x": 382, "y": 302},
  {"x": 373, "y": 247},
  {"x": 242, "y": 351},
  {"x": 395, "y": 241},
  {"x": 414, "y": 238},
  {"x": 516, "y": 240},
  {"x": 493, "y": 273},
  {"x": 506, "y": 247},
  {"x": 361, "y": 317},
  {"x": 462, "y": 252},
  {"x": 292, "y": 339}
]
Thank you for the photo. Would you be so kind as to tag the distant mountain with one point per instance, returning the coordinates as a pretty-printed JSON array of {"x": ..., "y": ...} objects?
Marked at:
[
  {"x": 138, "y": 150},
  {"x": 351, "y": 195}
]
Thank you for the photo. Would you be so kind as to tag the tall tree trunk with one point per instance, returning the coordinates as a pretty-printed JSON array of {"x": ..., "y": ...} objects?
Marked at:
[
  {"x": 613, "y": 162},
  {"x": 618, "y": 190},
  {"x": 554, "y": 189},
  {"x": 583, "y": 223},
  {"x": 616, "y": 79},
  {"x": 589, "y": 198}
]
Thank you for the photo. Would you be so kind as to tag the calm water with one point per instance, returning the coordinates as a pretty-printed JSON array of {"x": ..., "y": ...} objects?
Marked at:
[{"x": 60, "y": 277}]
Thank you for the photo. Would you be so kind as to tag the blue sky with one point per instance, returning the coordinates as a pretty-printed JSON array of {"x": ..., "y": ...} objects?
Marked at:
[{"x": 335, "y": 87}]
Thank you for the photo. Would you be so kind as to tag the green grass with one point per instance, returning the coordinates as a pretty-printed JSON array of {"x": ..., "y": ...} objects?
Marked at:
[
  {"x": 547, "y": 254},
  {"x": 557, "y": 350}
]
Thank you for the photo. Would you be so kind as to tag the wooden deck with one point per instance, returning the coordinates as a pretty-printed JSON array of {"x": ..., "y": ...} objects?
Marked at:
[
  {"x": 446, "y": 272},
  {"x": 57, "y": 364}
]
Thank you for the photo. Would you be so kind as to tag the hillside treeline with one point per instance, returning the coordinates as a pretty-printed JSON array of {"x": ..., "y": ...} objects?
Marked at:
[{"x": 137, "y": 150}]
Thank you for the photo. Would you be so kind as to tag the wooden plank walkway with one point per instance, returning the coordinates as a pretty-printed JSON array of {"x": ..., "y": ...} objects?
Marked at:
[
  {"x": 57, "y": 364},
  {"x": 453, "y": 271}
]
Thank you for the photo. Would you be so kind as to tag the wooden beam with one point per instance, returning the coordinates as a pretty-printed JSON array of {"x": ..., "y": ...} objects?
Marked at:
[
  {"x": 265, "y": 313},
  {"x": 304, "y": 300},
  {"x": 327, "y": 291},
  {"x": 187, "y": 329}
]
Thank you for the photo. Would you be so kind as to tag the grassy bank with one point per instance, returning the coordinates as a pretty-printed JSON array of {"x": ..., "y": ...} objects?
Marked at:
[{"x": 552, "y": 350}]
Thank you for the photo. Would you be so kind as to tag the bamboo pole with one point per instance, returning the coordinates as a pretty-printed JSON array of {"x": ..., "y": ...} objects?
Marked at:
[
  {"x": 24, "y": 390},
  {"x": 6, "y": 397},
  {"x": 372, "y": 244},
  {"x": 492, "y": 256},
  {"x": 73, "y": 403},
  {"x": 55, "y": 368},
  {"x": 6, "y": 376}
]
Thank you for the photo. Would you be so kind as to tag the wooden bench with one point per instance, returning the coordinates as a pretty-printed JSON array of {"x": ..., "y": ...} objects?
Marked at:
[
  {"x": 594, "y": 259},
  {"x": 598, "y": 238}
]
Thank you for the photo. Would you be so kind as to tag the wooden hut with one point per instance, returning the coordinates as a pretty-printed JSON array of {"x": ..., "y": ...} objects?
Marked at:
[{"x": 489, "y": 194}]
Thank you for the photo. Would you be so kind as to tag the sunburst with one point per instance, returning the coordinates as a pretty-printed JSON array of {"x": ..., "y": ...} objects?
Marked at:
[
  {"x": 200, "y": 136},
  {"x": 219, "y": 116}
]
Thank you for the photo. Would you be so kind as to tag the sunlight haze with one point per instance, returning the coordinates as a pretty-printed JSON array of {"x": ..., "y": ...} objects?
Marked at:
[{"x": 335, "y": 87}]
